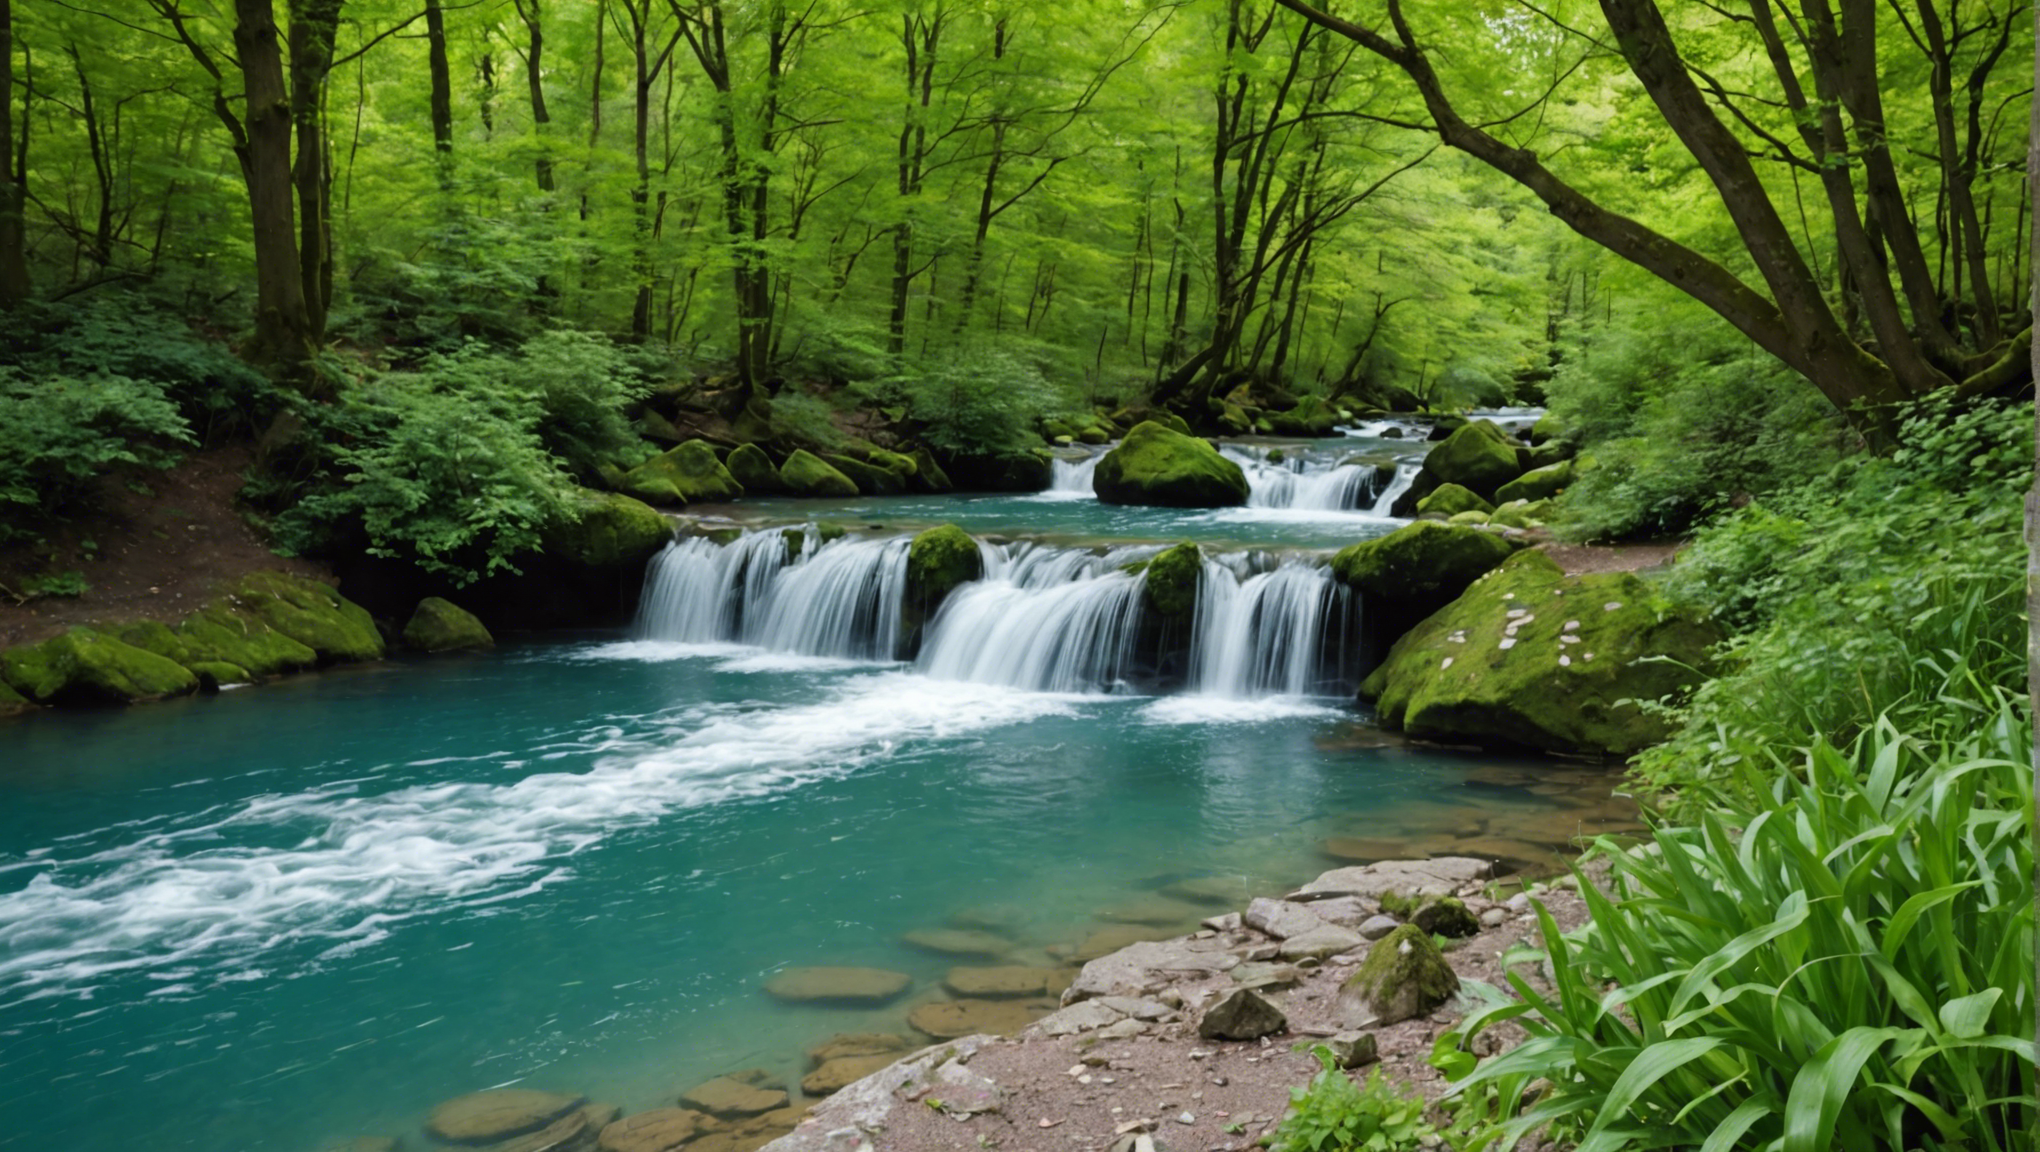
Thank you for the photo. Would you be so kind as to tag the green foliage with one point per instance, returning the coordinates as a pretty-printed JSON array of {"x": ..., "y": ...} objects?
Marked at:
[
  {"x": 59, "y": 433},
  {"x": 69, "y": 582},
  {"x": 1889, "y": 586},
  {"x": 1845, "y": 962},
  {"x": 983, "y": 401},
  {"x": 1333, "y": 1114},
  {"x": 802, "y": 418}
]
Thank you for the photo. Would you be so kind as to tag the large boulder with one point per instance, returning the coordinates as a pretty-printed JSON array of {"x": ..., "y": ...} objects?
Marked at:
[
  {"x": 1157, "y": 466},
  {"x": 806, "y": 474},
  {"x": 1310, "y": 417},
  {"x": 940, "y": 559},
  {"x": 750, "y": 467},
  {"x": 1450, "y": 500},
  {"x": 1403, "y": 976},
  {"x": 1418, "y": 569},
  {"x": 688, "y": 474},
  {"x": 221, "y": 634},
  {"x": 86, "y": 667},
  {"x": 871, "y": 480},
  {"x": 438, "y": 625},
  {"x": 1477, "y": 457},
  {"x": 311, "y": 613},
  {"x": 1019, "y": 471},
  {"x": 1537, "y": 484},
  {"x": 1531, "y": 657},
  {"x": 1549, "y": 427},
  {"x": 613, "y": 529},
  {"x": 928, "y": 475},
  {"x": 1173, "y": 576}
]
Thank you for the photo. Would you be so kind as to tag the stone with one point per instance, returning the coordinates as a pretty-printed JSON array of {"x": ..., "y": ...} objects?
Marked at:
[
  {"x": 824, "y": 985},
  {"x": 871, "y": 479},
  {"x": 1106, "y": 941},
  {"x": 1258, "y": 975},
  {"x": 438, "y": 625},
  {"x": 152, "y": 636},
  {"x": 311, "y": 613},
  {"x": 1320, "y": 943},
  {"x": 1361, "y": 850},
  {"x": 218, "y": 633},
  {"x": 849, "y": 1120},
  {"x": 958, "y": 942},
  {"x": 1446, "y": 916},
  {"x": 1549, "y": 427},
  {"x": 612, "y": 530},
  {"x": 1229, "y": 922},
  {"x": 1083, "y": 1017},
  {"x": 1404, "y": 976},
  {"x": 1241, "y": 1015},
  {"x": 1151, "y": 910},
  {"x": 1521, "y": 514},
  {"x": 1139, "y": 968},
  {"x": 499, "y": 1114},
  {"x": 1538, "y": 483},
  {"x": 1420, "y": 568},
  {"x": 1172, "y": 579},
  {"x": 1140, "y": 1008},
  {"x": 13, "y": 703},
  {"x": 962, "y": 1091},
  {"x": 1468, "y": 518},
  {"x": 948, "y": 1019},
  {"x": 1477, "y": 457},
  {"x": 938, "y": 561},
  {"x": 1493, "y": 918},
  {"x": 928, "y": 475},
  {"x": 1375, "y": 927},
  {"x": 1353, "y": 1049},
  {"x": 751, "y": 468},
  {"x": 1440, "y": 876},
  {"x": 1311, "y": 417},
  {"x": 87, "y": 667},
  {"x": 727, "y": 1096},
  {"x": 1475, "y": 673},
  {"x": 1452, "y": 500},
  {"x": 1344, "y": 911},
  {"x": 835, "y": 1075},
  {"x": 806, "y": 474},
  {"x": 847, "y": 1044},
  {"x": 659, "y": 1130},
  {"x": 687, "y": 474},
  {"x": 1154, "y": 465},
  {"x": 1124, "y": 1030},
  {"x": 1281, "y": 919},
  {"x": 1004, "y": 982}
]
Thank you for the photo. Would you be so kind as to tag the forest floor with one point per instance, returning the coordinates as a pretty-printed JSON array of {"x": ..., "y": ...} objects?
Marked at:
[
  {"x": 1584, "y": 559},
  {"x": 151, "y": 554}
]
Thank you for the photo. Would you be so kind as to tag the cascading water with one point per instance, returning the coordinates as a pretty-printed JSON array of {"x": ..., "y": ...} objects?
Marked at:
[
  {"x": 840, "y": 598},
  {"x": 1071, "y": 479},
  {"x": 1054, "y": 620},
  {"x": 1303, "y": 483},
  {"x": 1277, "y": 632}
]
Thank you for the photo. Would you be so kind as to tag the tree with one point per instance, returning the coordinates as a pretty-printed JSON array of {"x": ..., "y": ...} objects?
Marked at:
[
  {"x": 14, "y": 285},
  {"x": 1843, "y": 140}
]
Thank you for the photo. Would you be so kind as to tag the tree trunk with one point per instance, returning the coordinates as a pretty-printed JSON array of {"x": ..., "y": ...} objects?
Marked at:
[
  {"x": 282, "y": 326},
  {"x": 442, "y": 78},
  {"x": 533, "y": 14},
  {"x": 14, "y": 284},
  {"x": 312, "y": 28}
]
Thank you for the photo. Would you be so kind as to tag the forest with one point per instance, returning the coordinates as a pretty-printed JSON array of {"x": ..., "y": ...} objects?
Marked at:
[{"x": 480, "y": 302}]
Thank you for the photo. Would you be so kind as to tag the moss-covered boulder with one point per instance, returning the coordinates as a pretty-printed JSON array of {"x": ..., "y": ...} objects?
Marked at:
[
  {"x": 1446, "y": 916},
  {"x": 749, "y": 466},
  {"x": 1450, "y": 500},
  {"x": 871, "y": 480},
  {"x": 928, "y": 475},
  {"x": 214, "y": 675},
  {"x": 1472, "y": 518},
  {"x": 688, "y": 474},
  {"x": 1478, "y": 457},
  {"x": 1549, "y": 427},
  {"x": 220, "y": 633},
  {"x": 806, "y": 474},
  {"x": 87, "y": 667},
  {"x": 1404, "y": 976},
  {"x": 613, "y": 529},
  {"x": 13, "y": 703},
  {"x": 1416, "y": 570},
  {"x": 313, "y": 614},
  {"x": 153, "y": 636},
  {"x": 1173, "y": 576},
  {"x": 438, "y": 625},
  {"x": 1233, "y": 419},
  {"x": 1310, "y": 417},
  {"x": 1538, "y": 483},
  {"x": 1531, "y": 657},
  {"x": 1157, "y": 466},
  {"x": 1521, "y": 514},
  {"x": 940, "y": 559}
]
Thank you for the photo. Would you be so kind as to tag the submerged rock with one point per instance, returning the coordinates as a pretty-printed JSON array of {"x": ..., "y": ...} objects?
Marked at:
[
  {"x": 835, "y": 1075},
  {"x": 1106, "y": 941},
  {"x": 847, "y": 1044},
  {"x": 688, "y": 474},
  {"x": 958, "y": 942},
  {"x": 442, "y": 626},
  {"x": 949, "y": 1019},
  {"x": 836, "y": 985},
  {"x": 1531, "y": 657},
  {"x": 806, "y": 474},
  {"x": 659, "y": 1130},
  {"x": 727, "y": 1096},
  {"x": 1157, "y": 466},
  {"x": 1403, "y": 976},
  {"x": 499, "y": 1114},
  {"x": 1005, "y": 982}
]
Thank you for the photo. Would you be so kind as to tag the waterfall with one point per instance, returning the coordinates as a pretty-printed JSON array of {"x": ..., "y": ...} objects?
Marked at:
[
  {"x": 1045, "y": 619},
  {"x": 1281, "y": 631},
  {"x": 1071, "y": 479},
  {"x": 1302, "y": 483},
  {"x": 838, "y": 598}
]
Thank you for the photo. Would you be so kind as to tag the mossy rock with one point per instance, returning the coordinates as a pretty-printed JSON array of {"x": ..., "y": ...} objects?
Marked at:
[
  {"x": 13, "y": 703},
  {"x": 1446, "y": 916},
  {"x": 87, "y": 667},
  {"x": 313, "y": 614},
  {"x": 1531, "y": 657},
  {"x": 899, "y": 464},
  {"x": 220, "y": 633},
  {"x": 1173, "y": 577},
  {"x": 870, "y": 479},
  {"x": 1521, "y": 514},
  {"x": 806, "y": 474},
  {"x": 1549, "y": 427},
  {"x": 1094, "y": 434},
  {"x": 1310, "y": 417},
  {"x": 750, "y": 467},
  {"x": 438, "y": 625},
  {"x": 1234, "y": 420},
  {"x": 613, "y": 529},
  {"x": 928, "y": 475},
  {"x": 1420, "y": 568},
  {"x": 688, "y": 474},
  {"x": 1052, "y": 428},
  {"x": 1404, "y": 976},
  {"x": 1538, "y": 483},
  {"x": 938, "y": 561},
  {"x": 214, "y": 675},
  {"x": 1157, "y": 466},
  {"x": 1550, "y": 452},
  {"x": 153, "y": 636},
  {"x": 1478, "y": 457},
  {"x": 1472, "y": 518},
  {"x": 1451, "y": 500}
]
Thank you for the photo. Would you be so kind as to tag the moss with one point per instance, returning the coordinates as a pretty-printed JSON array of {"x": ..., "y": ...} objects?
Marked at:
[
  {"x": 1446, "y": 916},
  {"x": 806, "y": 474},
  {"x": 1157, "y": 466},
  {"x": 1538, "y": 483},
  {"x": 1451, "y": 500},
  {"x": 940, "y": 559},
  {"x": 438, "y": 625},
  {"x": 313, "y": 614},
  {"x": 1549, "y": 427},
  {"x": 900, "y": 465},
  {"x": 1172, "y": 580},
  {"x": 1472, "y": 518},
  {"x": 219, "y": 633},
  {"x": 1420, "y": 568},
  {"x": 86, "y": 667},
  {"x": 688, "y": 474},
  {"x": 929, "y": 475},
  {"x": 871, "y": 480},
  {"x": 1478, "y": 457},
  {"x": 1399, "y": 906},
  {"x": 613, "y": 529},
  {"x": 1403, "y": 976},
  {"x": 152, "y": 636},
  {"x": 750, "y": 467},
  {"x": 1521, "y": 513},
  {"x": 214, "y": 675},
  {"x": 1534, "y": 658},
  {"x": 12, "y": 703},
  {"x": 1310, "y": 417}
]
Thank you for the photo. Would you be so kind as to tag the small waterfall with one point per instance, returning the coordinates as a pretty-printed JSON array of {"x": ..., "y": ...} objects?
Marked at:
[
  {"x": 1302, "y": 483},
  {"x": 1281, "y": 631},
  {"x": 1071, "y": 479},
  {"x": 1044, "y": 619},
  {"x": 841, "y": 598}
]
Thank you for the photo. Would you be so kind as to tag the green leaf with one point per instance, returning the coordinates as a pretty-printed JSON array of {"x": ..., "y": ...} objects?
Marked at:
[{"x": 1823, "y": 1086}]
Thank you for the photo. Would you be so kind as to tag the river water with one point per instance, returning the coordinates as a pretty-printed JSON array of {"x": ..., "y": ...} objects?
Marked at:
[{"x": 289, "y": 916}]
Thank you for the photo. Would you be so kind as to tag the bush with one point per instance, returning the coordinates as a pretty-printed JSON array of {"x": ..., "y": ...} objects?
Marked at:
[
  {"x": 979, "y": 402},
  {"x": 1333, "y": 1114},
  {"x": 1844, "y": 964},
  {"x": 59, "y": 433}
]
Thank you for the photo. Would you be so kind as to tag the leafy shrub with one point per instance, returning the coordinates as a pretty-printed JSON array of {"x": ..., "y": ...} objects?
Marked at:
[
  {"x": 1844, "y": 964},
  {"x": 1333, "y": 1114},
  {"x": 981, "y": 401},
  {"x": 59, "y": 433},
  {"x": 806, "y": 420}
]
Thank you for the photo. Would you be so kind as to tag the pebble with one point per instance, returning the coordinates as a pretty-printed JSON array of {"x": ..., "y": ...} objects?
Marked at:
[{"x": 1186, "y": 1118}]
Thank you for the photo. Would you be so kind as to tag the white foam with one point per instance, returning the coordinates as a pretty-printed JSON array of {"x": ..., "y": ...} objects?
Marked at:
[
  {"x": 358, "y": 866},
  {"x": 1197, "y": 709}
]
